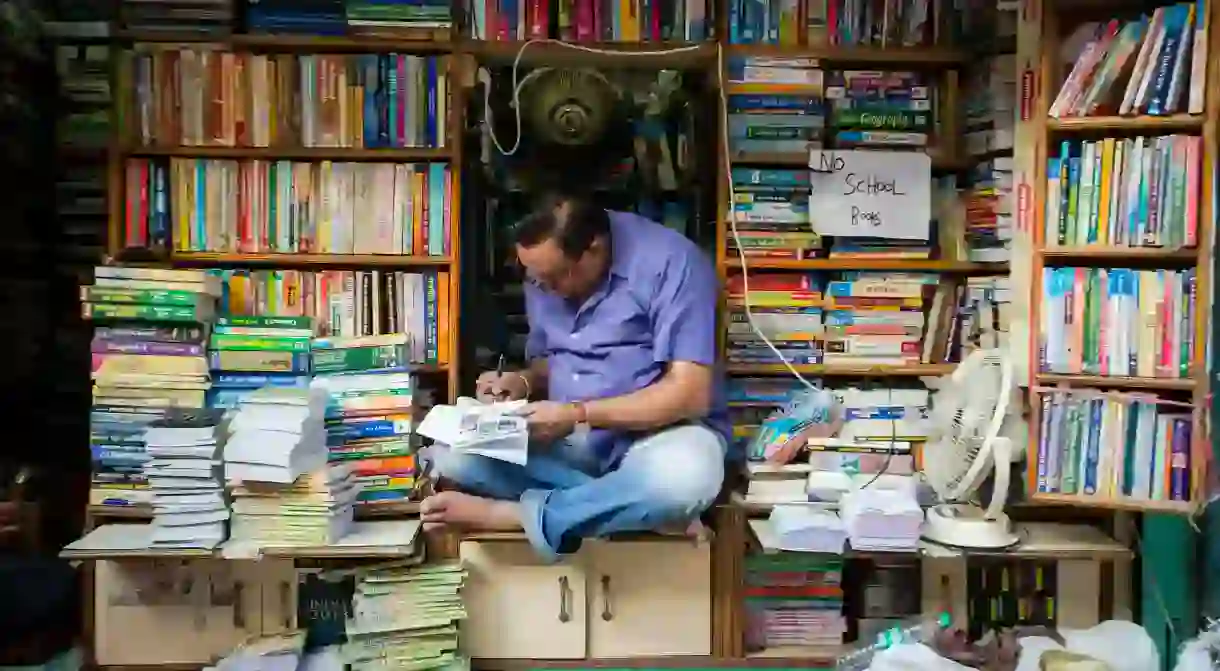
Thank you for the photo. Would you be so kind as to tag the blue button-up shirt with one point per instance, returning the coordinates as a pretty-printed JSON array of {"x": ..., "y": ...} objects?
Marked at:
[{"x": 657, "y": 305}]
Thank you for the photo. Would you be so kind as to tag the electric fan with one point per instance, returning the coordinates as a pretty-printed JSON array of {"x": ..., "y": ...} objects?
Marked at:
[{"x": 968, "y": 441}]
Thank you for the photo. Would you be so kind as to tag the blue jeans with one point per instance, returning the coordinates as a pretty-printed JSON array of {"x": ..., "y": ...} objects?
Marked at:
[{"x": 667, "y": 478}]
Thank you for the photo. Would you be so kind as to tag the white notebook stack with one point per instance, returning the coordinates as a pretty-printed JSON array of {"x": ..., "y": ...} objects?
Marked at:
[
  {"x": 277, "y": 435},
  {"x": 884, "y": 516},
  {"x": 316, "y": 510},
  {"x": 184, "y": 476}
]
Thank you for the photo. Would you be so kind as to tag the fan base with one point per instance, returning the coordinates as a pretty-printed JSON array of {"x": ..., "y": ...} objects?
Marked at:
[{"x": 967, "y": 526}]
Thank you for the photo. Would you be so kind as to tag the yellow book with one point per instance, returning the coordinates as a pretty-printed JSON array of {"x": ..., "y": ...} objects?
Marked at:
[{"x": 1103, "y": 200}]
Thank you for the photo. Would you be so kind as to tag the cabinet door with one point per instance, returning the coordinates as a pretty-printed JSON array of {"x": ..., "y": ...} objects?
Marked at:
[
  {"x": 172, "y": 612},
  {"x": 277, "y": 580},
  {"x": 518, "y": 608},
  {"x": 649, "y": 598}
]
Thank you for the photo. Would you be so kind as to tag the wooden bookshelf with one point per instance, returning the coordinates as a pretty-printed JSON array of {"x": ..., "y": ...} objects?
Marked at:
[
  {"x": 324, "y": 261},
  {"x": 1195, "y": 387},
  {"x": 391, "y": 154},
  {"x": 898, "y": 265},
  {"x": 920, "y": 370}
]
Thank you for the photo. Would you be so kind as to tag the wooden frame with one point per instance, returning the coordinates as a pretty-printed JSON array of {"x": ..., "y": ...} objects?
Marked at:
[{"x": 1200, "y": 258}]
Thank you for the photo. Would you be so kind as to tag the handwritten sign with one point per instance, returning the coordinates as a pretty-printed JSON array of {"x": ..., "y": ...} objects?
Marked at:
[{"x": 876, "y": 194}]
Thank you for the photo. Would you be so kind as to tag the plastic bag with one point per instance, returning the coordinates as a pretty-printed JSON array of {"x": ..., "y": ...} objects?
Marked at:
[
  {"x": 1123, "y": 646},
  {"x": 807, "y": 412}
]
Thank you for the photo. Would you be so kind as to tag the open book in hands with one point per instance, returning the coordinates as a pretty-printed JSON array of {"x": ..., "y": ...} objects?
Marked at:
[{"x": 492, "y": 430}]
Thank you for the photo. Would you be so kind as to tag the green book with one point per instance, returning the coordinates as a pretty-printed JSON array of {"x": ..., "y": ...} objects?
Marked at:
[
  {"x": 265, "y": 321},
  {"x": 140, "y": 296},
  {"x": 164, "y": 313},
  {"x": 355, "y": 359},
  {"x": 224, "y": 341}
]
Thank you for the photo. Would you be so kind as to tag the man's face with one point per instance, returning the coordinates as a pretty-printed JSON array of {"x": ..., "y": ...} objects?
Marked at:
[{"x": 546, "y": 265}]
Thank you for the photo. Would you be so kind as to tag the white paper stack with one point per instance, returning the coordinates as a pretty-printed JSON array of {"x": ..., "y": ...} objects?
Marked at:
[
  {"x": 277, "y": 652},
  {"x": 183, "y": 473},
  {"x": 277, "y": 435},
  {"x": 316, "y": 510},
  {"x": 803, "y": 528},
  {"x": 884, "y": 516},
  {"x": 406, "y": 617}
]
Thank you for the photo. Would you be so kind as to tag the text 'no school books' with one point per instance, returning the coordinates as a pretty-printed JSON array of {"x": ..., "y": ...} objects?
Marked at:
[
  {"x": 286, "y": 207},
  {"x": 1155, "y": 65},
  {"x": 204, "y": 97},
  {"x": 1114, "y": 447}
]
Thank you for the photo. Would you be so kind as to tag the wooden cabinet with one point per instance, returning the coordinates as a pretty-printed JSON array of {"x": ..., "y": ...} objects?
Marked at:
[
  {"x": 611, "y": 599},
  {"x": 649, "y": 598},
  {"x": 152, "y": 612},
  {"x": 519, "y": 608}
]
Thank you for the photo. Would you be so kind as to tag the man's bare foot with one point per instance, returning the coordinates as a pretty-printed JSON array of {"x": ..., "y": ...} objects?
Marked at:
[
  {"x": 457, "y": 509},
  {"x": 696, "y": 531}
]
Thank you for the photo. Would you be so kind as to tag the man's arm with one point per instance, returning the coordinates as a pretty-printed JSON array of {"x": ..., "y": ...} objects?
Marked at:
[{"x": 683, "y": 316}]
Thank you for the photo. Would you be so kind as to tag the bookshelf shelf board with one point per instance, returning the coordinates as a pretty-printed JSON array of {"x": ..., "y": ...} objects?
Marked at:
[
  {"x": 1134, "y": 505},
  {"x": 905, "y": 57},
  {"x": 907, "y": 265},
  {"x": 746, "y": 159},
  {"x": 391, "y": 154},
  {"x": 1154, "y": 124},
  {"x": 1163, "y": 383},
  {"x": 800, "y": 655},
  {"x": 918, "y": 370},
  {"x": 1109, "y": 255},
  {"x": 309, "y": 260},
  {"x": 420, "y": 41},
  {"x": 645, "y": 55}
]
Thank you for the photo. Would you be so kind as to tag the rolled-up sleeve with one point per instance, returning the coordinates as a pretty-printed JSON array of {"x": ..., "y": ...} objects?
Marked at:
[
  {"x": 535, "y": 343},
  {"x": 684, "y": 311}
]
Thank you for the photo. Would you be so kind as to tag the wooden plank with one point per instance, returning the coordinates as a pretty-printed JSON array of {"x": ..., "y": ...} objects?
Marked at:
[{"x": 387, "y": 154}]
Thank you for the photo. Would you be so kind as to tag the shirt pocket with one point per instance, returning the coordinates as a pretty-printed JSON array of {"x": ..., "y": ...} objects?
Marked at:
[{"x": 618, "y": 322}]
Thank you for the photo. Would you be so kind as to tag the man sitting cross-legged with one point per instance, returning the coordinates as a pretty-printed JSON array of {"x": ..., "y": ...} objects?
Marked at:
[{"x": 633, "y": 433}]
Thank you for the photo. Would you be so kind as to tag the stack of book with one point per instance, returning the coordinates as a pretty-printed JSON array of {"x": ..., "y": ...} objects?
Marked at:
[
  {"x": 1152, "y": 65},
  {"x": 318, "y": 17},
  {"x": 1118, "y": 322},
  {"x": 1113, "y": 447},
  {"x": 197, "y": 18},
  {"x": 370, "y": 416},
  {"x": 588, "y": 21},
  {"x": 775, "y": 106},
  {"x": 249, "y": 352},
  {"x": 991, "y": 115},
  {"x": 990, "y": 211},
  {"x": 277, "y": 435},
  {"x": 84, "y": 76},
  {"x": 771, "y": 211},
  {"x": 407, "y": 616},
  {"x": 794, "y": 599},
  {"x": 315, "y": 510},
  {"x": 884, "y": 416},
  {"x": 879, "y": 109},
  {"x": 784, "y": 308},
  {"x": 184, "y": 475},
  {"x": 351, "y": 304},
  {"x": 1125, "y": 192},
  {"x": 346, "y": 100},
  {"x": 147, "y": 356},
  {"x": 865, "y": 249},
  {"x": 875, "y": 319}
]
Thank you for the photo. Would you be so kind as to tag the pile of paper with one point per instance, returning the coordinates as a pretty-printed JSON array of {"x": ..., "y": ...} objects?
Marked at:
[
  {"x": 277, "y": 435},
  {"x": 316, "y": 510},
  {"x": 804, "y": 528},
  {"x": 488, "y": 429},
  {"x": 276, "y": 652},
  {"x": 183, "y": 473},
  {"x": 406, "y": 617},
  {"x": 884, "y": 516}
]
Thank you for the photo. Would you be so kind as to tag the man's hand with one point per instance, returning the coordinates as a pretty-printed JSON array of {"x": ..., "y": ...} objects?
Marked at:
[
  {"x": 549, "y": 421},
  {"x": 509, "y": 386}
]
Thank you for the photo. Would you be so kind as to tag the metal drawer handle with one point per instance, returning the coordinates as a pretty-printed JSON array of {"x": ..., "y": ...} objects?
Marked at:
[
  {"x": 286, "y": 604},
  {"x": 607, "y": 609},
  {"x": 565, "y": 600}
]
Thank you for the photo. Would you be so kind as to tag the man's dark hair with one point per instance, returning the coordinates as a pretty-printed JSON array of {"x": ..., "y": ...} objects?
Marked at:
[{"x": 572, "y": 222}]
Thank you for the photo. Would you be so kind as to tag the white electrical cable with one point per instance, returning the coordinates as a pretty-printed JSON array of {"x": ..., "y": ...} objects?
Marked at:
[{"x": 728, "y": 163}]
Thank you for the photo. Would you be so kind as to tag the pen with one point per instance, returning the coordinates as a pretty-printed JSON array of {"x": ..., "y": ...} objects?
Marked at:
[{"x": 500, "y": 374}]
